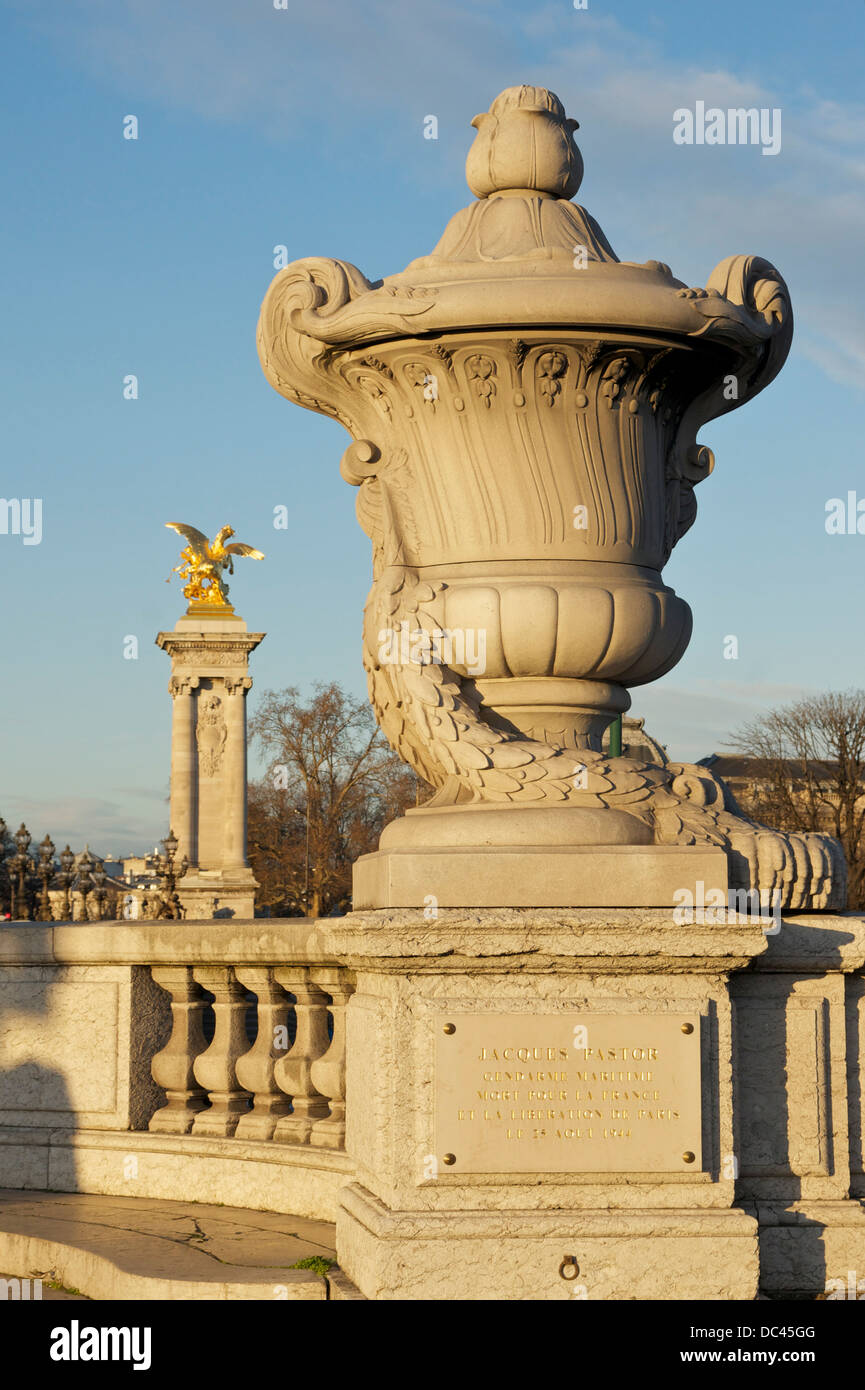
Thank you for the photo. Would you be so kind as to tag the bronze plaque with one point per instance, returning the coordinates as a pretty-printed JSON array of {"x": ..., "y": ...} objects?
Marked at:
[{"x": 568, "y": 1093}]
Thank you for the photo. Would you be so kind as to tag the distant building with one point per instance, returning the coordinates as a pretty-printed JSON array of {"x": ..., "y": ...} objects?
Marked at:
[
  {"x": 138, "y": 866},
  {"x": 760, "y": 790},
  {"x": 755, "y": 777},
  {"x": 746, "y": 777}
]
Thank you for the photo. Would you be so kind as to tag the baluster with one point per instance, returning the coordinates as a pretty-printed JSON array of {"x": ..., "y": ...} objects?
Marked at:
[
  {"x": 215, "y": 1069},
  {"x": 328, "y": 1071},
  {"x": 292, "y": 1072},
  {"x": 256, "y": 1067},
  {"x": 172, "y": 1068}
]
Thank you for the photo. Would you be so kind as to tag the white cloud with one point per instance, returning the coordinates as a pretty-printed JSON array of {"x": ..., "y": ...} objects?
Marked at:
[
  {"x": 308, "y": 72},
  {"x": 691, "y": 723},
  {"x": 109, "y": 827}
]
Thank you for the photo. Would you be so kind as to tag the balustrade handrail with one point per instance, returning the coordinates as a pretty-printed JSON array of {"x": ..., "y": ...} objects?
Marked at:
[{"x": 259, "y": 941}]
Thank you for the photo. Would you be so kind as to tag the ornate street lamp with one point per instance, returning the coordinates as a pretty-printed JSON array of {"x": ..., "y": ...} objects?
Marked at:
[
  {"x": 98, "y": 877},
  {"x": 45, "y": 870},
  {"x": 22, "y": 865},
  {"x": 169, "y": 873},
  {"x": 65, "y": 876},
  {"x": 305, "y": 813},
  {"x": 85, "y": 881}
]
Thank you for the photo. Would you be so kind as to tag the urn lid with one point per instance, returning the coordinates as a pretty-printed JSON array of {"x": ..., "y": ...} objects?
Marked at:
[
  {"x": 523, "y": 255},
  {"x": 523, "y": 167},
  {"x": 525, "y": 141}
]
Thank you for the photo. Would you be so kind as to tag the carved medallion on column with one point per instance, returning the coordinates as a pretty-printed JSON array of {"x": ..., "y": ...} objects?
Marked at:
[{"x": 210, "y": 732}]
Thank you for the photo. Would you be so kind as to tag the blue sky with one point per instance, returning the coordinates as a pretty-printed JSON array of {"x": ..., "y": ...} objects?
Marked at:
[{"x": 304, "y": 127}]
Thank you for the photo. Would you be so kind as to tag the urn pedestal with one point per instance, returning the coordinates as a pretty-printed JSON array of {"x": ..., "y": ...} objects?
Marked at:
[
  {"x": 441, "y": 859},
  {"x": 540, "y": 1106}
]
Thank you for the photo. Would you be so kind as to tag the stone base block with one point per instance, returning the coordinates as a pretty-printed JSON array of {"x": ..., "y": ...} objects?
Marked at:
[
  {"x": 519, "y": 1255},
  {"x": 559, "y": 876},
  {"x": 809, "y": 1248}
]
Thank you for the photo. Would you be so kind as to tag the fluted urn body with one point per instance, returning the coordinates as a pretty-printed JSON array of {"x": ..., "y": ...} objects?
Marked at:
[{"x": 530, "y": 482}]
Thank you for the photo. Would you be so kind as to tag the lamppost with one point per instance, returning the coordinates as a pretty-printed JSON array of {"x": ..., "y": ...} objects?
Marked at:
[
  {"x": 98, "y": 877},
  {"x": 21, "y": 864},
  {"x": 85, "y": 882},
  {"x": 298, "y": 812},
  {"x": 45, "y": 870},
  {"x": 169, "y": 873},
  {"x": 65, "y": 876},
  {"x": 306, "y": 868}
]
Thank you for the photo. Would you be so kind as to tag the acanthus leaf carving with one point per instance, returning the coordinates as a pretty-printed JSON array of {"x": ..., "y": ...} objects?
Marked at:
[
  {"x": 183, "y": 685},
  {"x": 233, "y": 684},
  {"x": 446, "y": 356},
  {"x": 517, "y": 352}
]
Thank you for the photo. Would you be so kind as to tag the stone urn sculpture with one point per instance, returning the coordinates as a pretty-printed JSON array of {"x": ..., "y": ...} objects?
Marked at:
[{"x": 524, "y": 410}]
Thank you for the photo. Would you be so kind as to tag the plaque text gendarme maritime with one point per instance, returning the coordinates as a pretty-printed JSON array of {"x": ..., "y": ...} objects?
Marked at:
[{"x": 568, "y": 1093}]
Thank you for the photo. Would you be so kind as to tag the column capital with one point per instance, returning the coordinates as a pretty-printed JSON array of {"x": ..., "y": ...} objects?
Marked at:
[
  {"x": 235, "y": 683},
  {"x": 183, "y": 685}
]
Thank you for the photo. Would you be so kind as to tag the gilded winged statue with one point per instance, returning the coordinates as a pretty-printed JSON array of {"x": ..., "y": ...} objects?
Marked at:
[{"x": 203, "y": 563}]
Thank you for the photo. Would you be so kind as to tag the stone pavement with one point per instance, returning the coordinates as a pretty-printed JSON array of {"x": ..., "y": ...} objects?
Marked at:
[
  {"x": 49, "y": 1294},
  {"x": 133, "y": 1248}
]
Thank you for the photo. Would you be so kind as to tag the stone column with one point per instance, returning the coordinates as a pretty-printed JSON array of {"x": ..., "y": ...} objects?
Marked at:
[
  {"x": 209, "y": 650},
  {"x": 183, "y": 765},
  {"x": 234, "y": 843}
]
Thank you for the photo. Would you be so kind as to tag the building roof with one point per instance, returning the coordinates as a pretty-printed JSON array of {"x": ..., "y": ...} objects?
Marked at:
[{"x": 728, "y": 765}]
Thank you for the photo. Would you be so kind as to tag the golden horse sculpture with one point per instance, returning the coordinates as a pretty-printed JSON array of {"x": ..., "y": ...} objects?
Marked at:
[{"x": 204, "y": 562}]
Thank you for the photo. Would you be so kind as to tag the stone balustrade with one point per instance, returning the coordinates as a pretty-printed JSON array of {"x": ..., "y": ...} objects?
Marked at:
[
  {"x": 195, "y": 1060},
  {"x": 207, "y": 1062},
  {"x": 288, "y": 1086}
]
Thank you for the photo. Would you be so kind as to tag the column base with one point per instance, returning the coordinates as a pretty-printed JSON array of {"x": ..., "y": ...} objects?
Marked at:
[
  {"x": 519, "y": 1255},
  {"x": 209, "y": 893}
]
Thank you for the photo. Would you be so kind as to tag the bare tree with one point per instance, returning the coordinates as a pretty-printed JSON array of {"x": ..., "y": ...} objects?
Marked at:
[
  {"x": 331, "y": 786},
  {"x": 812, "y": 772}
]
